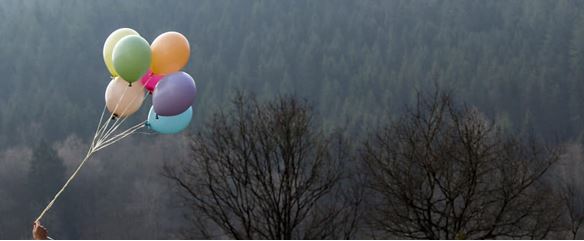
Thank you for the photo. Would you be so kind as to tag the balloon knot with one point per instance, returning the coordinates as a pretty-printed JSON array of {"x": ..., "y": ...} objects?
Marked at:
[
  {"x": 130, "y": 85},
  {"x": 157, "y": 116}
]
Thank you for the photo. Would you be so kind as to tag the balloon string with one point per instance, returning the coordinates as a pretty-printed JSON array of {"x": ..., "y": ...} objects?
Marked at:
[
  {"x": 129, "y": 130},
  {"x": 115, "y": 126},
  {"x": 98, "y": 128},
  {"x": 120, "y": 136},
  {"x": 99, "y": 142},
  {"x": 92, "y": 150},
  {"x": 89, "y": 153}
]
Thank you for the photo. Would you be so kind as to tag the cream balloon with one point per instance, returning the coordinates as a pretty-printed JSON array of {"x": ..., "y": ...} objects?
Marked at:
[
  {"x": 110, "y": 43},
  {"x": 122, "y": 99}
]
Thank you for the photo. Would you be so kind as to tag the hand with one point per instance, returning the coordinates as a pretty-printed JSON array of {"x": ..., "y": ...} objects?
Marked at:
[{"x": 39, "y": 232}]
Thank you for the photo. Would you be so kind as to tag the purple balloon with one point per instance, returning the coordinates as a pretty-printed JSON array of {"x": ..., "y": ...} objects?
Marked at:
[{"x": 174, "y": 94}]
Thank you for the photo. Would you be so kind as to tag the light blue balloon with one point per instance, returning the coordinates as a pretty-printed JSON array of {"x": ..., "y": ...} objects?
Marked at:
[{"x": 169, "y": 124}]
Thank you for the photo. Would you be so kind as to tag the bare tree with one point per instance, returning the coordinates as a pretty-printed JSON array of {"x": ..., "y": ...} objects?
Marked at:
[
  {"x": 263, "y": 171},
  {"x": 444, "y": 172},
  {"x": 573, "y": 202},
  {"x": 569, "y": 185}
]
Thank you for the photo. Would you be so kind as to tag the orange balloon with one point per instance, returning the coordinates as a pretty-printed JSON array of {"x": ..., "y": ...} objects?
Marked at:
[{"x": 170, "y": 53}]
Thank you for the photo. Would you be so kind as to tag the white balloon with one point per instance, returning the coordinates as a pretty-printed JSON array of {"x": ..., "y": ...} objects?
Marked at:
[{"x": 122, "y": 99}]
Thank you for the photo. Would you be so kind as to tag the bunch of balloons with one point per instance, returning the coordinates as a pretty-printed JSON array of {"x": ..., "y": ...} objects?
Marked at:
[
  {"x": 139, "y": 69},
  {"x": 130, "y": 58}
]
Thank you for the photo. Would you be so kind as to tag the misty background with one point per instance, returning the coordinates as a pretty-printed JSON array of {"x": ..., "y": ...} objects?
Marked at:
[{"x": 357, "y": 62}]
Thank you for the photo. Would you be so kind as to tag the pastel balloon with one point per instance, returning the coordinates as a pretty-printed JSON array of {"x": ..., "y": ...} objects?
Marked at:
[
  {"x": 170, "y": 53},
  {"x": 123, "y": 100},
  {"x": 110, "y": 43},
  {"x": 169, "y": 124},
  {"x": 149, "y": 80},
  {"x": 174, "y": 94},
  {"x": 132, "y": 57}
]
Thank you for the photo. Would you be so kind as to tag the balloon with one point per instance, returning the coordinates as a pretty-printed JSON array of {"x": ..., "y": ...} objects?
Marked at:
[
  {"x": 174, "y": 94},
  {"x": 169, "y": 124},
  {"x": 149, "y": 80},
  {"x": 110, "y": 43},
  {"x": 123, "y": 100},
  {"x": 131, "y": 57},
  {"x": 170, "y": 53}
]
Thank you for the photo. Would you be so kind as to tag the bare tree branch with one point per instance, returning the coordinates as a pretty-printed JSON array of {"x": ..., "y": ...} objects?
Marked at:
[
  {"x": 444, "y": 172},
  {"x": 263, "y": 171}
]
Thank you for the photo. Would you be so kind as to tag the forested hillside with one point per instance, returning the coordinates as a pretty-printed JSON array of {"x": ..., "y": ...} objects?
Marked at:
[
  {"x": 520, "y": 61},
  {"x": 357, "y": 62}
]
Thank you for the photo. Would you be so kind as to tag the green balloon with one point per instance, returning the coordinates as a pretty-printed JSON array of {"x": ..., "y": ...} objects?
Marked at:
[{"x": 132, "y": 57}]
